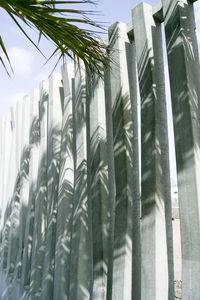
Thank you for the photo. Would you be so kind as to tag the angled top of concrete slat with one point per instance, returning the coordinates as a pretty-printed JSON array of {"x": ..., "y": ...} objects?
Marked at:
[{"x": 157, "y": 12}]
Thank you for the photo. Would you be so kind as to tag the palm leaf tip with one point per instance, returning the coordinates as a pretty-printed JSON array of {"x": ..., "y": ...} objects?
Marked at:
[
  {"x": 7, "y": 57},
  {"x": 56, "y": 21}
]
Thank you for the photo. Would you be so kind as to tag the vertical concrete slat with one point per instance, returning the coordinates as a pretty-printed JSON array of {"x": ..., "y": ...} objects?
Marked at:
[
  {"x": 123, "y": 132},
  {"x": 155, "y": 176},
  {"x": 7, "y": 184},
  {"x": 13, "y": 240},
  {"x": 24, "y": 181},
  {"x": 38, "y": 207},
  {"x": 54, "y": 124},
  {"x": 81, "y": 262},
  {"x": 65, "y": 193},
  {"x": 136, "y": 250},
  {"x": 33, "y": 136},
  {"x": 184, "y": 72},
  {"x": 3, "y": 169},
  {"x": 111, "y": 177},
  {"x": 98, "y": 168}
]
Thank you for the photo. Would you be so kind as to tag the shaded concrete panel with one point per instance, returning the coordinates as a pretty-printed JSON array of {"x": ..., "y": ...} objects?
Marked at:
[
  {"x": 11, "y": 290},
  {"x": 127, "y": 189},
  {"x": 36, "y": 234},
  {"x": 98, "y": 169},
  {"x": 81, "y": 259},
  {"x": 54, "y": 125},
  {"x": 65, "y": 194},
  {"x": 111, "y": 177},
  {"x": 182, "y": 52},
  {"x": 136, "y": 249},
  {"x": 156, "y": 230}
]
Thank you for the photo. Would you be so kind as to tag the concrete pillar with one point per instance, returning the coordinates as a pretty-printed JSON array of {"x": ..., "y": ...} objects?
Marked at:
[
  {"x": 24, "y": 181},
  {"x": 54, "y": 125},
  {"x": 5, "y": 132},
  {"x": 33, "y": 136},
  {"x": 136, "y": 249},
  {"x": 81, "y": 259},
  {"x": 184, "y": 74},
  {"x": 7, "y": 139},
  {"x": 8, "y": 181},
  {"x": 111, "y": 177},
  {"x": 33, "y": 267},
  {"x": 155, "y": 175},
  {"x": 65, "y": 193},
  {"x": 13, "y": 239},
  {"x": 126, "y": 244},
  {"x": 99, "y": 192}
]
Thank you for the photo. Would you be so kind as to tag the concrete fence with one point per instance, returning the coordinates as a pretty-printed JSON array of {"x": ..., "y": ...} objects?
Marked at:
[{"x": 85, "y": 186}]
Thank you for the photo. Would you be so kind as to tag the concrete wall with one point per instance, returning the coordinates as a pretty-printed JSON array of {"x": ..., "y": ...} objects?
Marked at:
[{"x": 84, "y": 213}]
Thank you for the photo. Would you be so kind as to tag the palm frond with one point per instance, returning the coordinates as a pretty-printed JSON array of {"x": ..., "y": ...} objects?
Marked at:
[
  {"x": 6, "y": 55},
  {"x": 56, "y": 22}
]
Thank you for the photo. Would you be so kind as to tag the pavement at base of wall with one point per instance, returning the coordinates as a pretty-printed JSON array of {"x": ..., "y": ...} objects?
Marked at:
[{"x": 178, "y": 289}]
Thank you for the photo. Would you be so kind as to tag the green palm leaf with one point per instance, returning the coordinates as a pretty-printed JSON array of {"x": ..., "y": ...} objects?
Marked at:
[
  {"x": 56, "y": 22},
  {"x": 6, "y": 54}
]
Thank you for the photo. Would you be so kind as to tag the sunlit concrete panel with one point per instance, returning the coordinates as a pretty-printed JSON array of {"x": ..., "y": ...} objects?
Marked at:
[
  {"x": 127, "y": 188},
  {"x": 8, "y": 179},
  {"x": 99, "y": 193},
  {"x": 24, "y": 180},
  {"x": 184, "y": 74},
  {"x": 32, "y": 164},
  {"x": 54, "y": 125},
  {"x": 37, "y": 228},
  {"x": 2, "y": 176},
  {"x": 13, "y": 240},
  {"x": 65, "y": 192},
  {"x": 7, "y": 161},
  {"x": 3, "y": 162},
  {"x": 155, "y": 176},
  {"x": 81, "y": 263}
]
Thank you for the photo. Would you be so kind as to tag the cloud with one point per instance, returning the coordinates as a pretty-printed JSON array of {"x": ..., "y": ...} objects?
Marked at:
[{"x": 21, "y": 60}]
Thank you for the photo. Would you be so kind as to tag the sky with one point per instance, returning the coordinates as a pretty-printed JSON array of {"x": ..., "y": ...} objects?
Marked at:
[{"x": 29, "y": 65}]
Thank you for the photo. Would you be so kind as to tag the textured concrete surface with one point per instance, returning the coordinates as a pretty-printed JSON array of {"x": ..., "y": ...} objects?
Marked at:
[
  {"x": 156, "y": 227},
  {"x": 125, "y": 161},
  {"x": 185, "y": 91},
  {"x": 74, "y": 225}
]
